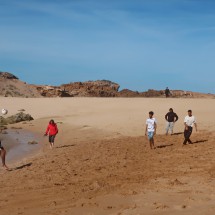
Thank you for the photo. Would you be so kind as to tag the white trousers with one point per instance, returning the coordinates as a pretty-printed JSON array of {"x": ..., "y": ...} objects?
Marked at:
[{"x": 169, "y": 126}]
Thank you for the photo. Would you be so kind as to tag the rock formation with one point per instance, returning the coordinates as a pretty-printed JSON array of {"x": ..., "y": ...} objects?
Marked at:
[
  {"x": 102, "y": 88},
  {"x": 19, "y": 117},
  {"x": 11, "y": 86},
  {"x": 81, "y": 89},
  {"x": 7, "y": 75}
]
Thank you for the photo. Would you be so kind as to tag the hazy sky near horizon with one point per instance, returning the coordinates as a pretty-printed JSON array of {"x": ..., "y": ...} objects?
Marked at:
[{"x": 140, "y": 44}]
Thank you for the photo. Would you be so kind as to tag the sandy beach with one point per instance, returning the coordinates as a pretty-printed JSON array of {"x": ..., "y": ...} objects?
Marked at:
[{"x": 102, "y": 163}]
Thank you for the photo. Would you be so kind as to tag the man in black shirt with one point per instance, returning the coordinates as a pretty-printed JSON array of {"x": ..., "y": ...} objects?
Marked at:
[
  {"x": 171, "y": 118},
  {"x": 167, "y": 92}
]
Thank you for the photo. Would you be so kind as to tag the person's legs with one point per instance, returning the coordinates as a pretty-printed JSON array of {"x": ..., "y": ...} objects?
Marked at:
[
  {"x": 187, "y": 134},
  {"x": 153, "y": 143},
  {"x": 3, "y": 156},
  {"x": 52, "y": 141},
  {"x": 151, "y": 139},
  {"x": 171, "y": 125},
  {"x": 190, "y": 129},
  {"x": 167, "y": 127}
]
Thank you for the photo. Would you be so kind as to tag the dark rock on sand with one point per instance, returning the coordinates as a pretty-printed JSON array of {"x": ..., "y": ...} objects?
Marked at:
[
  {"x": 19, "y": 117},
  {"x": 32, "y": 142},
  {"x": 3, "y": 121}
]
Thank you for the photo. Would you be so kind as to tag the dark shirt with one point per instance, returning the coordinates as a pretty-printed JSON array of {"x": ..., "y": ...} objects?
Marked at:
[
  {"x": 171, "y": 117},
  {"x": 1, "y": 147},
  {"x": 167, "y": 91}
]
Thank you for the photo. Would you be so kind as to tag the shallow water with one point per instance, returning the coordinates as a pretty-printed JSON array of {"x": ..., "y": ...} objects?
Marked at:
[{"x": 15, "y": 141}]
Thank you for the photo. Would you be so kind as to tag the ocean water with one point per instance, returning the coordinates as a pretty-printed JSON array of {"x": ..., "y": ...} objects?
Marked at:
[{"x": 15, "y": 141}]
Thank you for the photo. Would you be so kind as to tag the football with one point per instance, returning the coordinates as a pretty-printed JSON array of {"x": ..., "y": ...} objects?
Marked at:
[{"x": 4, "y": 111}]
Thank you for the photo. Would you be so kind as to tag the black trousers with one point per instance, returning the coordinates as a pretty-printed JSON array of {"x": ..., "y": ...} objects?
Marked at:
[{"x": 187, "y": 134}]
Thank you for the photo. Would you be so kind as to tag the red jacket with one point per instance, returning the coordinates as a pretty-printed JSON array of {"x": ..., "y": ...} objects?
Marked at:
[{"x": 52, "y": 129}]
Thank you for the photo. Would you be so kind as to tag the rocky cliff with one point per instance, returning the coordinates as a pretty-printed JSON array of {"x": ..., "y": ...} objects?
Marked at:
[
  {"x": 11, "y": 86},
  {"x": 102, "y": 88}
]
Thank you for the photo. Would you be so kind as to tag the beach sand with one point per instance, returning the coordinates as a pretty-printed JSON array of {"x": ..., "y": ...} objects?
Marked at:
[{"x": 102, "y": 163}]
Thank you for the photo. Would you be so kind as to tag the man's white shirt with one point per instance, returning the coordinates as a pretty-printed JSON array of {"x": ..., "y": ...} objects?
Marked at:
[
  {"x": 151, "y": 124},
  {"x": 190, "y": 120}
]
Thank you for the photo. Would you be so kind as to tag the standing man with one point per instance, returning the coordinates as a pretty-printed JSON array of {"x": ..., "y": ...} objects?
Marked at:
[
  {"x": 189, "y": 122},
  {"x": 167, "y": 92},
  {"x": 171, "y": 118},
  {"x": 151, "y": 126}
]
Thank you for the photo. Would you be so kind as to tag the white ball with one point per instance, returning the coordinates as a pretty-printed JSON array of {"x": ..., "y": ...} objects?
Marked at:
[{"x": 4, "y": 111}]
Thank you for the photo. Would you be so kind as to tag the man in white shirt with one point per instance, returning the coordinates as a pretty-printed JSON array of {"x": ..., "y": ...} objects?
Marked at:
[
  {"x": 151, "y": 126},
  {"x": 189, "y": 122}
]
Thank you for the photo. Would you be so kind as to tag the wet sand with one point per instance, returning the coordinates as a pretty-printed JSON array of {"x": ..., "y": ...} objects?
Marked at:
[
  {"x": 15, "y": 141},
  {"x": 102, "y": 163}
]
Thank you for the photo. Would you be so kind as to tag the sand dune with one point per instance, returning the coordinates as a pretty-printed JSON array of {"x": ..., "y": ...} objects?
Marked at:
[{"x": 102, "y": 163}]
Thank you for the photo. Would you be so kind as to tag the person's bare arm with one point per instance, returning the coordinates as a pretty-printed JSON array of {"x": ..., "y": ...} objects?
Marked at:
[
  {"x": 195, "y": 126},
  {"x": 186, "y": 127},
  {"x": 146, "y": 129},
  {"x": 155, "y": 127}
]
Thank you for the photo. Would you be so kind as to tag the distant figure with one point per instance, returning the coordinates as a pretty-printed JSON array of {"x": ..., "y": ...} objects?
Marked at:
[
  {"x": 167, "y": 92},
  {"x": 171, "y": 118},
  {"x": 151, "y": 126},
  {"x": 189, "y": 122},
  {"x": 52, "y": 131},
  {"x": 3, "y": 156}
]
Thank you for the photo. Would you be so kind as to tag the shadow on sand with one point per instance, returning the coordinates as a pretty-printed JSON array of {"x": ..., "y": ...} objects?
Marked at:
[
  {"x": 177, "y": 133},
  {"x": 65, "y": 146},
  {"x": 22, "y": 166},
  {"x": 199, "y": 141},
  {"x": 164, "y": 146}
]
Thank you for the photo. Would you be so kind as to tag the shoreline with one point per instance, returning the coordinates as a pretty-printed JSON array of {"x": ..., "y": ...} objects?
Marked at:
[{"x": 15, "y": 142}]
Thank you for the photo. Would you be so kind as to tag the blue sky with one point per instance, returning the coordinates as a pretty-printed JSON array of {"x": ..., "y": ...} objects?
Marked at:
[{"x": 140, "y": 44}]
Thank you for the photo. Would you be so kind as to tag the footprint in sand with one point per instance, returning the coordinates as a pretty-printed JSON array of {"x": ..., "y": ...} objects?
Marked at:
[{"x": 160, "y": 206}]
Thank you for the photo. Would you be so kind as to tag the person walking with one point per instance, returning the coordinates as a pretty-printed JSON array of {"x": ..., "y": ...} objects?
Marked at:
[
  {"x": 189, "y": 122},
  {"x": 52, "y": 131},
  {"x": 151, "y": 126},
  {"x": 171, "y": 117}
]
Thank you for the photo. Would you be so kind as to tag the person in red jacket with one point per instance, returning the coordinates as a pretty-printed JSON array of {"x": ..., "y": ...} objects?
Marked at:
[{"x": 52, "y": 131}]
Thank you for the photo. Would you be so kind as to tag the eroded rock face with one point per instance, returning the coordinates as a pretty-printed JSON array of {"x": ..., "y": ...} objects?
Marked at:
[
  {"x": 81, "y": 89},
  {"x": 92, "y": 88},
  {"x": 153, "y": 93},
  {"x": 51, "y": 91},
  {"x": 11, "y": 86},
  {"x": 129, "y": 93},
  {"x": 7, "y": 75}
]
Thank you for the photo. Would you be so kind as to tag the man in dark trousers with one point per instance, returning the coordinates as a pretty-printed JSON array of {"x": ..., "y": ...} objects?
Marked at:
[
  {"x": 189, "y": 122},
  {"x": 171, "y": 118},
  {"x": 167, "y": 92}
]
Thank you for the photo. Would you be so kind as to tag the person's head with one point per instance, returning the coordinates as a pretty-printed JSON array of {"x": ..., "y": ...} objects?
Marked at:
[
  {"x": 151, "y": 113},
  {"x": 189, "y": 112},
  {"x": 170, "y": 110},
  {"x": 51, "y": 121}
]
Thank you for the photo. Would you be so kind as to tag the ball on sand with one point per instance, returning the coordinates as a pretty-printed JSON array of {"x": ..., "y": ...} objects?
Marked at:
[{"x": 4, "y": 111}]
